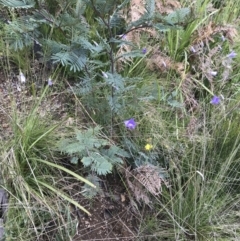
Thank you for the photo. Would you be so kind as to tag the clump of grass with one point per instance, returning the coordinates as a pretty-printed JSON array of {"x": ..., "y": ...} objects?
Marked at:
[
  {"x": 31, "y": 220},
  {"x": 197, "y": 142},
  {"x": 33, "y": 177},
  {"x": 203, "y": 172}
]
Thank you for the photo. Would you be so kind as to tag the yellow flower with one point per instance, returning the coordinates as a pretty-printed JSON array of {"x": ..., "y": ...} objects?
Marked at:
[{"x": 148, "y": 147}]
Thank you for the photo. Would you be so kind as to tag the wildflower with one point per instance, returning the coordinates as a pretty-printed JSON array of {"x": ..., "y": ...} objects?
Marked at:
[
  {"x": 164, "y": 64},
  {"x": 130, "y": 124},
  {"x": 144, "y": 50},
  {"x": 148, "y": 147},
  {"x": 104, "y": 75},
  {"x": 223, "y": 38},
  {"x": 22, "y": 77},
  {"x": 213, "y": 73},
  {"x": 232, "y": 55},
  {"x": 192, "y": 49},
  {"x": 50, "y": 83},
  {"x": 122, "y": 36},
  {"x": 215, "y": 100}
]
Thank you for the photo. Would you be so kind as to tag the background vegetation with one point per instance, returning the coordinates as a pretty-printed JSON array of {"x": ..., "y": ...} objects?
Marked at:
[{"x": 143, "y": 92}]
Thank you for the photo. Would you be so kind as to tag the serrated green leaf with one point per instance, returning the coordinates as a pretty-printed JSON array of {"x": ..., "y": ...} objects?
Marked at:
[
  {"x": 132, "y": 54},
  {"x": 118, "y": 151},
  {"x": 102, "y": 167},
  {"x": 113, "y": 153},
  {"x": 115, "y": 80},
  {"x": 17, "y": 3},
  {"x": 116, "y": 160},
  {"x": 75, "y": 62},
  {"x": 74, "y": 160},
  {"x": 94, "y": 151},
  {"x": 178, "y": 16},
  {"x": 87, "y": 161},
  {"x": 88, "y": 191},
  {"x": 72, "y": 148},
  {"x": 150, "y": 7}
]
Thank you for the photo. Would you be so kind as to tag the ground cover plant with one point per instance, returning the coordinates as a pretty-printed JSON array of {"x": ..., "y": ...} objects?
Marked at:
[{"x": 119, "y": 120}]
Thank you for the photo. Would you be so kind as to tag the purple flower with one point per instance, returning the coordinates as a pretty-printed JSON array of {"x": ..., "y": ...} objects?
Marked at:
[
  {"x": 104, "y": 75},
  {"x": 215, "y": 100},
  {"x": 213, "y": 73},
  {"x": 50, "y": 83},
  {"x": 130, "y": 124},
  {"x": 144, "y": 50},
  {"x": 22, "y": 77},
  {"x": 192, "y": 49},
  {"x": 232, "y": 55},
  {"x": 164, "y": 64}
]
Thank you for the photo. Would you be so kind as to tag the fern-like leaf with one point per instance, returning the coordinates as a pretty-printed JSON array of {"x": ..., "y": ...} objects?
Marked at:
[
  {"x": 18, "y": 3},
  {"x": 73, "y": 148},
  {"x": 132, "y": 54},
  {"x": 75, "y": 62},
  {"x": 21, "y": 33},
  {"x": 94, "y": 151},
  {"x": 102, "y": 166},
  {"x": 88, "y": 191},
  {"x": 87, "y": 161},
  {"x": 178, "y": 16},
  {"x": 150, "y": 7}
]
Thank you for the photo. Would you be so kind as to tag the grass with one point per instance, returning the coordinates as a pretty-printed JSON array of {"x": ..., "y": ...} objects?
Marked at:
[
  {"x": 203, "y": 183},
  {"x": 32, "y": 176},
  {"x": 168, "y": 92}
]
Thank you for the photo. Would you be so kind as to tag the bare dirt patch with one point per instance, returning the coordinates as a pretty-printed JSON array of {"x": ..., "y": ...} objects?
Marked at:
[{"x": 112, "y": 215}]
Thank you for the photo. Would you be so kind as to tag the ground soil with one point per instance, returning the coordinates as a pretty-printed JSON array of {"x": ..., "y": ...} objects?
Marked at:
[{"x": 112, "y": 215}]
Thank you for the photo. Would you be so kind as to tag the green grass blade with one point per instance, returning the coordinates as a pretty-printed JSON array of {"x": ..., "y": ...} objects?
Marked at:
[
  {"x": 59, "y": 193},
  {"x": 67, "y": 171}
]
